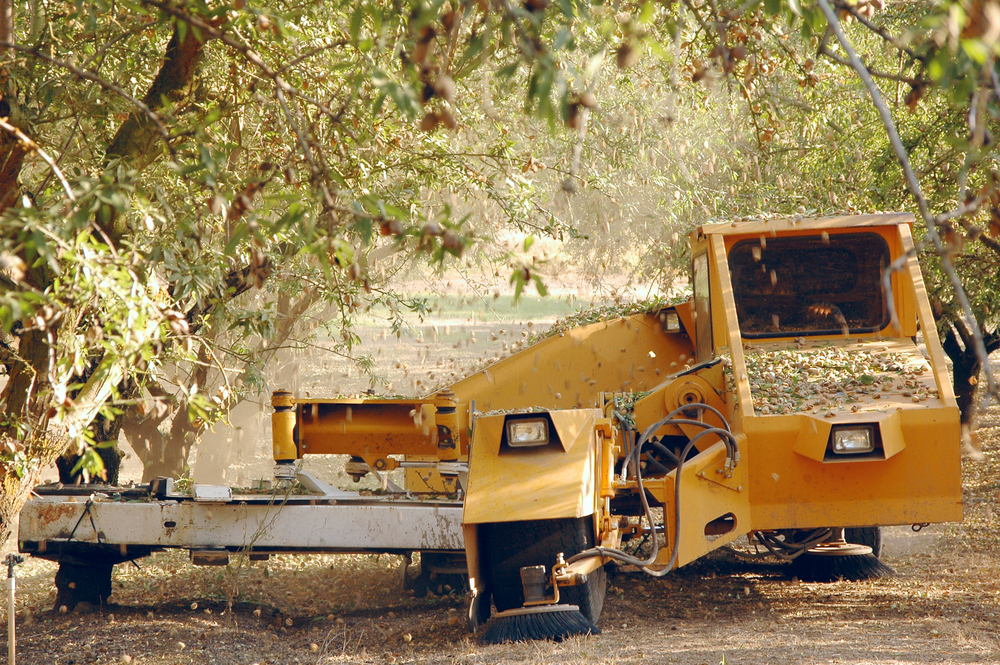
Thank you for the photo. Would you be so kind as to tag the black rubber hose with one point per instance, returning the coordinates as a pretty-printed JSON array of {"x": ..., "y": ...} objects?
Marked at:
[
  {"x": 630, "y": 433},
  {"x": 666, "y": 451},
  {"x": 657, "y": 464},
  {"x": 732, "y": 450},
  {"x": 789, "y": 551}
]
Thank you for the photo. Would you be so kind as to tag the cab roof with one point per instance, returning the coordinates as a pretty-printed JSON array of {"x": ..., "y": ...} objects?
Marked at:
[{"x": 804, "y": 224}]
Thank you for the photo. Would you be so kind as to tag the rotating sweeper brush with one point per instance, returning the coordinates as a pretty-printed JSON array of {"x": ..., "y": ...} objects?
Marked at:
[
  {"x": 545, "y": 622},
  {"x": 836, "y": 559}
]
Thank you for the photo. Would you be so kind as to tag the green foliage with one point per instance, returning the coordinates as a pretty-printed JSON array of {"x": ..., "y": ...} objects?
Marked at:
[
  {"x": 288, "y": 172},
  {"x": 318, "y": 150}
]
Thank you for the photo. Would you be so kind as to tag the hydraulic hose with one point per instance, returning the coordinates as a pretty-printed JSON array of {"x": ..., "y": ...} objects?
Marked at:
[
  {"x": 633, "y": 456},
  {"x": 788, "y": 551}
]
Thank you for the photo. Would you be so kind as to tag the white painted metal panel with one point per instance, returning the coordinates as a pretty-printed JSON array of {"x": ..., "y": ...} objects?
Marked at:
[
  {"x": 187, "y": 524},
  {"x": 212, "y": 493}
]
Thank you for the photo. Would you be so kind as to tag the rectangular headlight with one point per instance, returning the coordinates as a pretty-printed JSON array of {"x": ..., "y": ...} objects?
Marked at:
[
  {"x": 523, "y": 432},
  {"x": 853, "y": 440}
]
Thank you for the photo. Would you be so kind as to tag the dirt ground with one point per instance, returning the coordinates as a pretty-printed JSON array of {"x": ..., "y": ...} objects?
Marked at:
[{"x": 942, "y": 607}]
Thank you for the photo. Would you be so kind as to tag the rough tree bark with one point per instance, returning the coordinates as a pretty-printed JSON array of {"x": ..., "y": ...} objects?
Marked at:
[
  {"x": 12, "y": 154},
  {"x": 7, "y": 23}
]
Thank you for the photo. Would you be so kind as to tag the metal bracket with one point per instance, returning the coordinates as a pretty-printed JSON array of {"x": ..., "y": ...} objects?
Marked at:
[
  {"x": 479, "y": 608},
  {"x": 719, "y": 476},
  {"x": 212, "y": 493},
  {"x": 539, "y": 589},
  {"x": 383, "y": 479},
  {"x": 314, "y": 484},
  {"x": 210, "y": 557}
]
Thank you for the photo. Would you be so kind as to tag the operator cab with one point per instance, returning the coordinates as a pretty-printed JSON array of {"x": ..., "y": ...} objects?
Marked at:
[
  {"x": 810, "y": 285},
  {"x": 827, "y": 278}
]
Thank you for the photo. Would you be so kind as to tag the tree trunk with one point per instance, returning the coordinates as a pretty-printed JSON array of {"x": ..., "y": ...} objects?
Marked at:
[
  {"x": 966, "y": 367},
  {"x": 166, "y": 454},
  {"x": 136, "y": 138},
  {"x": 7, "y": 24},
  {"x": 20, "y": 397},
  {"x": 162, "y": 454},
  {"x": 104, "y": 431},
  {"x": 78, "y": 583},
  {"x": 27, "y": 380},
  {"x": 12, "y": 153},
  {"x": 14, "y": 492}
]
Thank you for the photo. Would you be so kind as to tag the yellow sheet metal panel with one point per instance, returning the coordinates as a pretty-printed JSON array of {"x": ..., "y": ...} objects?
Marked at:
[
  {"x": 811, "y": 225},
  {"x": 728, "y": 337},
  {"x": 685, "y": 311},
  {"x": 509, "y": 485},
  {"x": 708, "y": 493},
  {"x": 572, "y": 368},
  {"x": 927, "y": 326},
  {"x": 574, "y": 427},
  {"x": 920, "y": 483},
  {"x": 903, "y": 292},
  {"x": 814, "y": 434},
  {"x": 891, "y": 430}
]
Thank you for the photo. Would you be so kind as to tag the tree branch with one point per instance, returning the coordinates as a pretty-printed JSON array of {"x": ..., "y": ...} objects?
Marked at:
[
  {"x": 978, "y": 233},
  {"x": 281, "y": 86},
  {"x": 133, "y": 138},
  {"x": 878, "y": 30},
  {"x": 107, "y": 85},
  {"x": 31, "y": 146},
  {"x": 823, "y": 50},
  {"x": 237, "y": 283},
  {"x": 915, "y": 189},
  {"x": 315, "y": 51}
]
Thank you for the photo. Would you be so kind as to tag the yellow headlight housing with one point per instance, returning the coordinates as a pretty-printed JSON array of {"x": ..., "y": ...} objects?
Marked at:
[
  {"x": 526, "y": 432},
  {"x": 855, "y": 440}
]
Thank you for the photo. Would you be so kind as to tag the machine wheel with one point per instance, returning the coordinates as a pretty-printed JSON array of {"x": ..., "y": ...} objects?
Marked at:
[
  {"x": 509, "y": 546},
  {"x": 441, "y": 573},
  {"x": 866, "y": 535},
  {"x": 77, "y": 583}
]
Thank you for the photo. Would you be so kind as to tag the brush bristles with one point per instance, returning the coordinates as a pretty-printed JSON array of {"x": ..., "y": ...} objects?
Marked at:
[
  {"x": 549, "y": 622},
  {"x": 825, "y": 568}
]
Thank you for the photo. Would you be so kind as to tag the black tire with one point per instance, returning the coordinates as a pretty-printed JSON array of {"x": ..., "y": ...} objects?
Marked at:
[
  {"x": 866, "y": 535},
  {"x": 76, "y": 583},
  {"x": 509, "y": 546},
  {"x": 439, "y": 573}
]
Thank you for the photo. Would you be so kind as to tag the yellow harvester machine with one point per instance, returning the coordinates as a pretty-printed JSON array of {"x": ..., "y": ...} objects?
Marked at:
[{"x": 799, "y": 398}]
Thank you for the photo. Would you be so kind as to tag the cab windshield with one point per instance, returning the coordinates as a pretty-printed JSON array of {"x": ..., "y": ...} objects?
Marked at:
[{"x": 810, "y": 285}]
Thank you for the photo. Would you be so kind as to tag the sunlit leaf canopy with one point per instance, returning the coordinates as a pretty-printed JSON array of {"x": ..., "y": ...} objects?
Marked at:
[{"x": 242, "y": 174}]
